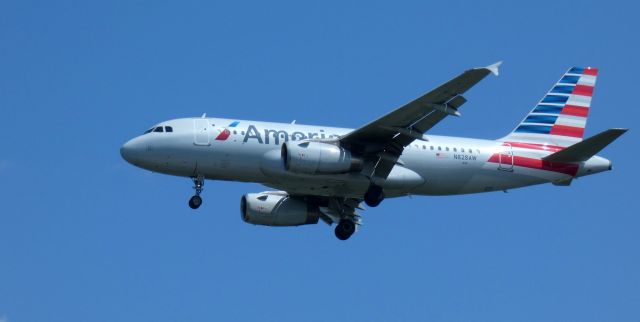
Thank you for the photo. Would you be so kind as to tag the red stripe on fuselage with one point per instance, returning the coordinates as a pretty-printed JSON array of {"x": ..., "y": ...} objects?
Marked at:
[
  {"x": 576, "y": 132},
  {"x": 538, "y": 164},
  {"x": 535, "y": 146}
]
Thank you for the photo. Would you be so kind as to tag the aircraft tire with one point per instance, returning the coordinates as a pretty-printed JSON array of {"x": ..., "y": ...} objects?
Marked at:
[
  {"x": 374, "y": 196},
  {"x": 195, "y": 202},
  {"x": 345, "y": 229}
]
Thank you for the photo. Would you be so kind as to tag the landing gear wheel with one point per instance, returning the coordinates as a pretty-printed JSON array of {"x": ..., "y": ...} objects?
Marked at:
[
  {"x": 195, "y": 202},
  {"x": 345, "y": 229},
  {"x": 374, "y": 196}
]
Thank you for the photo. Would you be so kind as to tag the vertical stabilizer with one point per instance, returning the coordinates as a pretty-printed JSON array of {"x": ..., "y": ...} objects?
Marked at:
[{"x": 561, "y": 115}]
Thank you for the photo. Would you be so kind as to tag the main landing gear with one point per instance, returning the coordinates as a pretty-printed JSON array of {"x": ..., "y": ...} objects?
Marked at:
[
  {"x": 345, "y": 229},
  {"x": 196, "y": 200},
  {"x": 374, "y": 196}
]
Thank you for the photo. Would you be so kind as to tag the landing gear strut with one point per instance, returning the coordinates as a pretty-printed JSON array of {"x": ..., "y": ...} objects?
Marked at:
[
  {"x": 345, "y": 229},
  {"x": 196, "y": 200},
  {"x": 374, "y": 196}
]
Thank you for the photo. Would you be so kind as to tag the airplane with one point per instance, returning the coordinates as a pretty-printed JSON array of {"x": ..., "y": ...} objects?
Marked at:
[{"x": 325, "y": 173}]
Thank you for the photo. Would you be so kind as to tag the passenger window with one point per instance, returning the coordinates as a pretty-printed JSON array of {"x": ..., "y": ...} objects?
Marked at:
[
  {"x": 424, "y": 147},
  {"x": 447, "y": 149},
  {"x": 168, "y": 129},
  {"x": 462, "y": 150},
  {"x": 439, "y": 149},
  {"x": 158, "y": 129},
  {"x": 454, "y": 150},
  {"x": 432, "y": 147}
]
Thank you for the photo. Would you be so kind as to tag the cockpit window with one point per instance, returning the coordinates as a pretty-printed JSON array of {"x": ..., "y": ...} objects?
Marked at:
[{"x": 159, "y": 129}]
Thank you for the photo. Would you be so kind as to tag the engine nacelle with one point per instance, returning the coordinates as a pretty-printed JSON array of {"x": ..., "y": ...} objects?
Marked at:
[
  {"x": 273, "y": 208},
  {"x": 318, "y": 158}
]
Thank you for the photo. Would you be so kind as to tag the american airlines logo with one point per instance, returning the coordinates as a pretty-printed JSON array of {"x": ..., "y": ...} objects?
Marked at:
[
  {"x": 224, "y": 134},
  {"x": 271, "y": 136}
]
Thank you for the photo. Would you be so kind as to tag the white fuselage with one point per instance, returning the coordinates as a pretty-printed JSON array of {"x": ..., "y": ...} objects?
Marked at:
[{"x": 249, "y": 151}]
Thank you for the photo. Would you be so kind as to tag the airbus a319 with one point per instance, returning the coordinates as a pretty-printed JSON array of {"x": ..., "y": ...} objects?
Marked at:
[{"x": 325, "y": 173}]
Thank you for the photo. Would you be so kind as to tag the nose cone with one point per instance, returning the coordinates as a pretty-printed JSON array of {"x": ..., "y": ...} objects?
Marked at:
[{"x": 132, "y": 151}]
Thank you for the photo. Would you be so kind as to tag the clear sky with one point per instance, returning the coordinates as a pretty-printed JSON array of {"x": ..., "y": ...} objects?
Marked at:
[{"x": 86, "y": 237}]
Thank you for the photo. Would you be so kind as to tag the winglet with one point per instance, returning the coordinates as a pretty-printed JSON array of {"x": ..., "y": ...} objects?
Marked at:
[{"x": 493, "y": 68}]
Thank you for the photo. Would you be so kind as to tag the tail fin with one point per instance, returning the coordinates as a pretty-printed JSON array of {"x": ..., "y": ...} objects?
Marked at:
[{"x": 560, "y": 117}]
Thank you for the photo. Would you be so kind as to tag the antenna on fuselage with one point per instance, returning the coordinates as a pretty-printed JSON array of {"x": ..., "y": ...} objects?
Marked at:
[
  {"x": 293, "y": 122},
  {"x": 204, "y": 115}
]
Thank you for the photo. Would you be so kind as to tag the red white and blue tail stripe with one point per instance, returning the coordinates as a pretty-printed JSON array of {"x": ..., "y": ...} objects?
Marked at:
[{"x": 560, "y": 117}]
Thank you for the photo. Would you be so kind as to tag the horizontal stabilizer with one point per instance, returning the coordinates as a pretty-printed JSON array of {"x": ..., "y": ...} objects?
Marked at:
[{"x": 585, "y": 149}]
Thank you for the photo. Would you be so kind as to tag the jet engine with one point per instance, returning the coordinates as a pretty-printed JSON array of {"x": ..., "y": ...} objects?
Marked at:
[
  {"x": 318, "y": 158},
  {"x": 274, "y": 208}
]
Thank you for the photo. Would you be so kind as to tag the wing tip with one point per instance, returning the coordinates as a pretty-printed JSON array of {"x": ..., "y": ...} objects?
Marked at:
[{"x": 494, "y": 68}]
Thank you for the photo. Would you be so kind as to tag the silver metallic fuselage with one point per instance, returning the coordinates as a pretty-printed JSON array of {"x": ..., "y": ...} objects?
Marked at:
[{"x": 249, "y": 151}]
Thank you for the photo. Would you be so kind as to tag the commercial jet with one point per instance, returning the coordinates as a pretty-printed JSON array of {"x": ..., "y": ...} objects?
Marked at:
[{"x": 325, "y": 173}]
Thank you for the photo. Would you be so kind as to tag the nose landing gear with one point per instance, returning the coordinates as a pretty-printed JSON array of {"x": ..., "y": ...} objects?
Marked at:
[{"x": 196, "y": 200}]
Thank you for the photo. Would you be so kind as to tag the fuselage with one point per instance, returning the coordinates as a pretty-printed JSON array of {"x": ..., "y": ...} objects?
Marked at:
[{"x": 249, "y": 151}]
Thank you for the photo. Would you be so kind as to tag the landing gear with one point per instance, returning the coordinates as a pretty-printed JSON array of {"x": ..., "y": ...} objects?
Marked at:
[
  {"x": 196, "y": 200},
  {"x": 374, "y": 196},
  {"x": 345, "y": 229}
]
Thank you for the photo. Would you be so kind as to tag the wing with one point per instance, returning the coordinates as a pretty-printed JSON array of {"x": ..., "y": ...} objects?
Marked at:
[
  {"x": 333, "y": 209},
  {"x": 382, "y": 141}
]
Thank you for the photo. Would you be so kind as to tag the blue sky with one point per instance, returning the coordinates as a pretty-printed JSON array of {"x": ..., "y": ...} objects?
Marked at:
[{"x": 86, "y": 237}]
